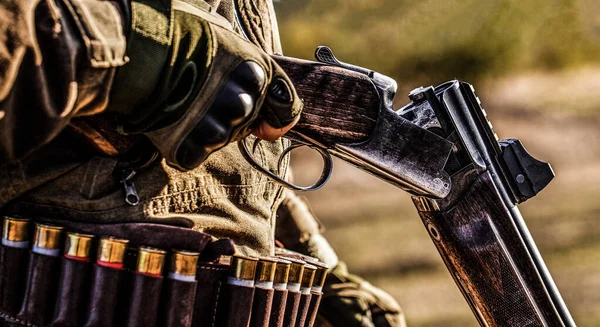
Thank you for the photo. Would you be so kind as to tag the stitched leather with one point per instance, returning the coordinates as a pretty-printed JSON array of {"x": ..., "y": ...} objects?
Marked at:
[{"x": 210, "y": 276}]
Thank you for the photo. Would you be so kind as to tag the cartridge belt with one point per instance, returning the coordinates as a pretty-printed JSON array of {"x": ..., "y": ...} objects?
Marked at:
[{"x": 138, "y": 274}]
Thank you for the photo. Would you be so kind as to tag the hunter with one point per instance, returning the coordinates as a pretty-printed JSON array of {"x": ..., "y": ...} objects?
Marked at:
[{"x": 150, "y": 96}]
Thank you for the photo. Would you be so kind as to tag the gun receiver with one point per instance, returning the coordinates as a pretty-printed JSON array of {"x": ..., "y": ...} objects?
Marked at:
[{"x": 465, "y": 183}]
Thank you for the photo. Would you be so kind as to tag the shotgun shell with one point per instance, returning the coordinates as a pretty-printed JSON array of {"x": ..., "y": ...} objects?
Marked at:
[
  {"x": 150, "y": 262},
  {"x": 242, "y": 270},
  {"x": 320, "y": 276},
  {"x": 78, "y": 246},
  {"x": 111, "y": 252},
  {"x": 282, "y": 273},
  {"x": 15, "y": 233},
  {"x": 307, "y": 278},
  {"x": 265, "y": 272},
  {"x": 295, "y": 275},
  {"x": 46, "y": 240},
  {"x": 183, "y": 266}
]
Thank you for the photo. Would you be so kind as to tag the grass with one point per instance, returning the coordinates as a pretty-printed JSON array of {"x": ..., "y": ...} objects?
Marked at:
[{"x": 433, "y": 40}]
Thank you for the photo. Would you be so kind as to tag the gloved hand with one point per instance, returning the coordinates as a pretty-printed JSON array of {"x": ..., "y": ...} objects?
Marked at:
[
  {"x": 216, "y": 88},
  {"x": 350, "y": 301}
]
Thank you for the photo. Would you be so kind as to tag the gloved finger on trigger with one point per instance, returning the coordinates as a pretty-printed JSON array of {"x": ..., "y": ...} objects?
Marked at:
[
  {"x": 281, "y": 106},
  {"x": 267, "y": 132}
]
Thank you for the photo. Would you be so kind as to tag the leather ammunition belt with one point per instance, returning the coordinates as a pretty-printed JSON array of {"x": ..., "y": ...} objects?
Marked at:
[{"x": 139, "y": 274}]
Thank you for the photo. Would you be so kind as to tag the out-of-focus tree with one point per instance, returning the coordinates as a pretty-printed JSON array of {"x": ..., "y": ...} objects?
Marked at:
[{"x": 429, "y": 41}]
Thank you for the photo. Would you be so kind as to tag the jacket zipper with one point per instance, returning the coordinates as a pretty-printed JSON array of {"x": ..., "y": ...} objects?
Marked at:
[
  {"x": 128, "y": 173},
  {"x": 131, "y": 196}
]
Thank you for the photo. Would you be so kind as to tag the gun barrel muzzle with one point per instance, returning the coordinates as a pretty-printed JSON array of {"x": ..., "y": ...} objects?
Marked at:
[
  {"x": 150, "y": 262},
  {"x": 183, "y": 265},
  {"x": 15, "y": 232},
  {"x": 111, "y": 252},
  {"x": 46, "y": 240},
  {"x": 78, "y": 246}
]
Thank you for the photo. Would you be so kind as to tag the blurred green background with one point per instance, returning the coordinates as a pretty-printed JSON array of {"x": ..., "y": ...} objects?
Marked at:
[{"x": 536, "y": 66}]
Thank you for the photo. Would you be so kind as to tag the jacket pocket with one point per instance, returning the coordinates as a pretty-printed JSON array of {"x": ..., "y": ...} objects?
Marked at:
[
  {"x": 97, "y": 180},
  {"x": 101, "y": 28}
]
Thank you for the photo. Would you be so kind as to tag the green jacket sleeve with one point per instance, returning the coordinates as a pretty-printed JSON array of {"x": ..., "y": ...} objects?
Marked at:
[
  {"x": 192, "y": 84},
  {"x": 57, "y": 61}
]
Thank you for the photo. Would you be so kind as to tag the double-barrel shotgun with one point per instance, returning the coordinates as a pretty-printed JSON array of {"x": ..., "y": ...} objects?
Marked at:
[{"x": 465, "y": 183}]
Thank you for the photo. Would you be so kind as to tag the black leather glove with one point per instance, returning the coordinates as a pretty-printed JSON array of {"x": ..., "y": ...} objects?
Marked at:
[
  {"x": 215, "y": 87},
  {"x": 232, "y": 114}
]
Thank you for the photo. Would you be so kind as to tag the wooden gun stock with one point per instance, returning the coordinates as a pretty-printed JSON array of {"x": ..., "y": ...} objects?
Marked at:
[{"x": 340, "y": 106}]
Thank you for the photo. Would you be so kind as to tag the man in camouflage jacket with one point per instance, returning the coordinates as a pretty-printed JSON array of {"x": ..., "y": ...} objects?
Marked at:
[{"x": 95, "y": 95}]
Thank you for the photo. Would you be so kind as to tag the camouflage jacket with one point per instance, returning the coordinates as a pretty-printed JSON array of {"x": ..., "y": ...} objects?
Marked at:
[{"x": 58, "y": 61}]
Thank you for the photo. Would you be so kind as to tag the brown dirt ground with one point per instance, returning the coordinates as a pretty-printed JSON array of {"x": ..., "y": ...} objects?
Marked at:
[{"x": 376, "y": 230}]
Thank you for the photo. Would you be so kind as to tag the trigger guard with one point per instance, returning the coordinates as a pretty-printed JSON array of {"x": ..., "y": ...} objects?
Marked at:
[
  {"x": 287, "y": 150},
  {"x": 325, "y": 173}
]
